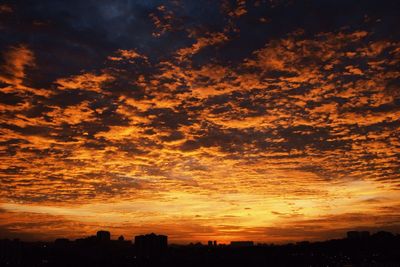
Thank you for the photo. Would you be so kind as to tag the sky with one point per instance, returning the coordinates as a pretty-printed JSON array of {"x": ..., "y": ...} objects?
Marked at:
[{"x": 268, "y": 120}]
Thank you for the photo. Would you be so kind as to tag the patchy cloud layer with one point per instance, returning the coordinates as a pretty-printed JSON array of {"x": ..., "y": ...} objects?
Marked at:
[{"x": 263, "y": 120}]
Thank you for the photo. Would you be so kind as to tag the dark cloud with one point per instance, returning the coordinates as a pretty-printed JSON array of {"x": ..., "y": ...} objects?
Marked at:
[
  {"x": 10, "y": 99},
  {"x": 168, "y": 118}
]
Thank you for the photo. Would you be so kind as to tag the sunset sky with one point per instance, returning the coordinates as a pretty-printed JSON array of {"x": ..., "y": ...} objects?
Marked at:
[{"x": 266, "y": 120}]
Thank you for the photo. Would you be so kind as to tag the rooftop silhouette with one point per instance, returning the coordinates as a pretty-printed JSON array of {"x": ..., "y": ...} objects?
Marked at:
[
  {"x": 358, "y": 248},
  {"x": 103, "y": 235},
  {"x": 151, "y": 246}
]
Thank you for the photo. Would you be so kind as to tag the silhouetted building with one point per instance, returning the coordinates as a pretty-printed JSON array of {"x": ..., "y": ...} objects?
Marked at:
[
  {"x": 242, "y": 243},
  {"x": 383, "y": 235},
  {"x": 364, "y": 234},
  {"x": 121, "y": 238},
  {"x": 103, "y": 236},
  {"x": 212, "y": 243},
  {"x": 357, "y": 234},
  {"x": 198, "y": 244},
  {"x": 151, "y": 245},
  {"x": 379, "y": 249},
  {"x": 62, "y": 241}
]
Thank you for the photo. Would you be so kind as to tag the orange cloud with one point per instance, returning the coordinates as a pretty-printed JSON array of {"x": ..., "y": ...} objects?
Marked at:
[
  {"x": 85, "y": 81},
  {"x": 4, "y": 8},
  {"x": 125, "y": 54},
  {"x": 201, "y": 42},
  {"x": 17, "y": 59}
]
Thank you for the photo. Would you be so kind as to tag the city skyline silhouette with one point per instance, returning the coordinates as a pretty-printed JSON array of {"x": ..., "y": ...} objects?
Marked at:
[{"x": 357, "y": 248}]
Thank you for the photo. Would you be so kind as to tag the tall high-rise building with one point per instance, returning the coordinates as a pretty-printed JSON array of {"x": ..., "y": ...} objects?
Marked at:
[
  {"x": 103, "y": 235},
  {"x": 151, "y": 245}
]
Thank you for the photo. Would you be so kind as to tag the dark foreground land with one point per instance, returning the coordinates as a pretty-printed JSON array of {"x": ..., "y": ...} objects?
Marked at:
[{"x": 380, "y": 249}]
